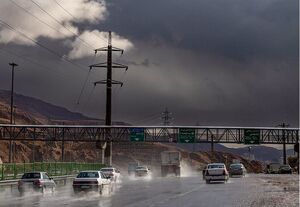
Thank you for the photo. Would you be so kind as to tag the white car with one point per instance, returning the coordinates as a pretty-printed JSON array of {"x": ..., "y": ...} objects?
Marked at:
[
  {"x": 216, "y": 172},
  {"x": 141, "y": 171},
  {"x": 111, "y": 172},
  {"x": 90, "y": 180}
]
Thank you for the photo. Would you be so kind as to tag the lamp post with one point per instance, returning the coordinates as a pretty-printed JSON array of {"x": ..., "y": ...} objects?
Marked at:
[{"x": 249, "y": 151}]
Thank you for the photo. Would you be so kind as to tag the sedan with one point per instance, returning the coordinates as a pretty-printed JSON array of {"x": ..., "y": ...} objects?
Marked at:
[
  {"x": 38, "y": 181},
  {"x": 216, "y": 172},
  {"x": 111, "y": 173},
  {"x": 142, "y": 171},
  {"x": 285, "y": 169},
  {"x": 90, "y": 180},
  {"x": 237, "y": 169}
]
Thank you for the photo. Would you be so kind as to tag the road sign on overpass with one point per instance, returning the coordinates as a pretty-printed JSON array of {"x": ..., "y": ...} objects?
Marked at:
[
  {"x": 251, "y": 136},
  {"x": 137, "y": 134},
  {"x": 186, "y": 135}
]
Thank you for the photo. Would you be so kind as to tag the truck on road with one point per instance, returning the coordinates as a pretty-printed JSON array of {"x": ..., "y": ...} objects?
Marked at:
[
  {"x": 273, "y": 168},
  {"x": 170, "y": 163}
]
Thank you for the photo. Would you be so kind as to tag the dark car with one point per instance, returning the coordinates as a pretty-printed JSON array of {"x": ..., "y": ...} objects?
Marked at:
[
  {"x": 285, "y": 169},
  {"x": 38, "y": 181},
  {"x": 237, "y": 169}
]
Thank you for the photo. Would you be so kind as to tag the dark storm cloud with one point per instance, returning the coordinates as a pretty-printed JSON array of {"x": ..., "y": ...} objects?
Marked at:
[
  {"x": 255, "y": 44},
  {"x": 237, "y": 29},
  {"x": 214, "y": 62}
]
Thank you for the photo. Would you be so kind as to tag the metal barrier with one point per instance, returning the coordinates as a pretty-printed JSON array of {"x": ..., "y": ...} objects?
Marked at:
[{"x": 9, "y": 171}]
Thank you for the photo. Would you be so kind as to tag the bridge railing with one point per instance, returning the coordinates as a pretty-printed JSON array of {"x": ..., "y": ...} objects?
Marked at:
[
  {"x": 268, "y": 135},
  {"x": 10, "y": 171}
]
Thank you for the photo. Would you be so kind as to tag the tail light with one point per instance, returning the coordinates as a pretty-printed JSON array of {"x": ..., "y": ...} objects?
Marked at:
[{"x": 37, "y": 183}]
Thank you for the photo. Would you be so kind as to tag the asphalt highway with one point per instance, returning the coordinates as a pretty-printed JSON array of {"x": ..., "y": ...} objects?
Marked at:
[{"x": 190, "y": 191}]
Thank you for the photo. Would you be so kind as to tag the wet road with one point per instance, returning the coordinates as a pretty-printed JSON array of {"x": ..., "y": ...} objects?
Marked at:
[{"x": 191, "y": 191}]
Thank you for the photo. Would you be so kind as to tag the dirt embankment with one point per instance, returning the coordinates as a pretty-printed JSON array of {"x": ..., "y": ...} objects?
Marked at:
[{"x": 123, "y": 153}]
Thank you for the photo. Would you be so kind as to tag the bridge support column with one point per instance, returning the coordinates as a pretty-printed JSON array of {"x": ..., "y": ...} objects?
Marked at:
[
  {"x": 33, "y": 151},
  {"x": 212, "y": 144},
  {"x": 103, "y": 149},
  {"x": 63, "y": 150},
  {"x": 108, "y": 153},
  {"x": 284, "y": 147}
]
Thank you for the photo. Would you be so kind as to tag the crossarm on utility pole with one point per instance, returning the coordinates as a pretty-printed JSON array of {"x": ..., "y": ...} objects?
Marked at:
[
  {"x": 105, "y": 82},
  {"x": 104, "y": 65}
]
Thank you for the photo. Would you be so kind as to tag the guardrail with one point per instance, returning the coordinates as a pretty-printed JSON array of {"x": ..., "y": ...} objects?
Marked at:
[{"x": 10, "y": 171}]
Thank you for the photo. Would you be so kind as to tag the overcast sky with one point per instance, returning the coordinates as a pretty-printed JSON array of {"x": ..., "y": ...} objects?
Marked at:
[{"x": 231, "y": 63}]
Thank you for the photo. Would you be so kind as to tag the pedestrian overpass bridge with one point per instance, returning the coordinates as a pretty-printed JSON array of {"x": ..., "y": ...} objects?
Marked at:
[{"x": 183, "y": 134}]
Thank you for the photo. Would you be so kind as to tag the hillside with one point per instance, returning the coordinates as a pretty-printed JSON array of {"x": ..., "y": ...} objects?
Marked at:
[
  {"x": 261, "y": 153},
  {"x": 34, "y": 111}
]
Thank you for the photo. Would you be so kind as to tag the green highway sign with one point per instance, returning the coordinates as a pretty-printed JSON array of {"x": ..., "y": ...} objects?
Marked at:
[
  {"x": 187, "y": 135},
  {"x": 137, "y": 134},
  {"x": 251, "y": 136}
]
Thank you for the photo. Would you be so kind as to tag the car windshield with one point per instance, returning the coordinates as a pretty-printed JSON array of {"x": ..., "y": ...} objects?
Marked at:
[
  {"x": 88, "y": 175},
  {"x": 216, "y": 166},
  {"x": 31, "y": 175}
]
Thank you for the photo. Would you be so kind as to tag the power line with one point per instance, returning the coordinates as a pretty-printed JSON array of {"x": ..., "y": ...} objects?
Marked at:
[
  {"x": 56, "y": 20},
  {"x": 88, "y": 98},
  {"x": 28, "y": 12},
  {"x": 75, "y": 17},
  {"x": 64, "y": 9},
  {"x": 148, "y": 118},
  {"x": 40, "y": 45},
  {"x": 84, "y": 84},
  {"x": 166, "y": 117},
  {"x": 28, "y": 60}
]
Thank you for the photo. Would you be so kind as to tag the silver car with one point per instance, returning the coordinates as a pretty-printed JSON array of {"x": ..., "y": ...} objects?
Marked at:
[
  {"x": 90, "y": 180},
  {"x": 38, "y": 181}
]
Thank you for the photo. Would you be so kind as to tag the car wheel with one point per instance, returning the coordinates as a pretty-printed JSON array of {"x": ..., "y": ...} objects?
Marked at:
[
  {"x": 101, "y": 189},
  {"x": 111, "y": 188},
  {"x": 53, "y": 189}
]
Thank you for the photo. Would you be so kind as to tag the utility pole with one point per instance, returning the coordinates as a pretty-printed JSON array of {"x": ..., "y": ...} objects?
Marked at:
[
  {"x": 109, "y": 65},
  {"x": 13, "y": 65},
  {"x": 166, "y": 117},
  {"x": 283, "y": 125}
]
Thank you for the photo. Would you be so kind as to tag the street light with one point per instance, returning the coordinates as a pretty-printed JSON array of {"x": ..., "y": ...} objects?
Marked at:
[{"x": 249, "y": 151}]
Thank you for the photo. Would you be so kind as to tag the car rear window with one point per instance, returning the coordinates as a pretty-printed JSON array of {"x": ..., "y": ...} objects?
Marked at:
[
  {"x": 88, "y": 175},
  {"x": 31, "y": 175},
  {"x": 236, "y": 166},
  {"x": 216, "y": 166},
  {"x": 107, "y": 170}
]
